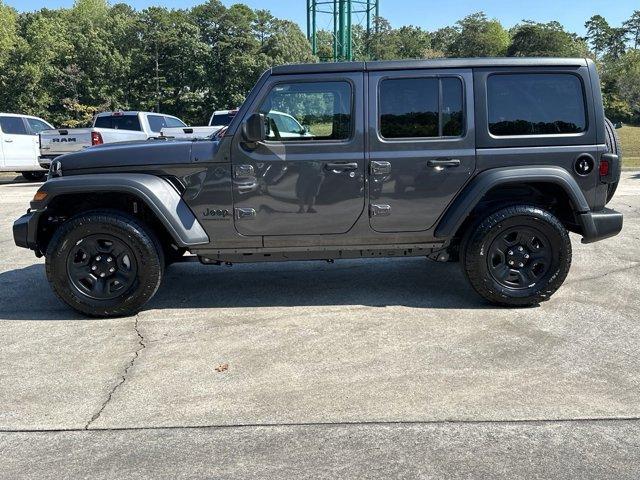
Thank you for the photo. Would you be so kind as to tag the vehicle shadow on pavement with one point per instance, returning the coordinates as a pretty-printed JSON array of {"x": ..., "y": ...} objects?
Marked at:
[
  {"x": 410, "y": 282},
  {"x": 26, "y": 295},
  {"x": 9, "y": 179}
]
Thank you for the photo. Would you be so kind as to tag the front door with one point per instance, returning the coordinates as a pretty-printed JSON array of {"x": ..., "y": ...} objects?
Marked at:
[
  {"x": 18, "y": 145},
  {"x": 422, "y": 145},
  {"x": 308, "y": 176}
]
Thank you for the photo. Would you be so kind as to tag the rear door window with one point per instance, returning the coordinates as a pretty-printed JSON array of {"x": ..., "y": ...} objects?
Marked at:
[
  {"x": 429, "y": 107},
  {"x": 119, "y": 122},
  {"x": 535, "y": 104},
  {"x": 174, "y": 122},
  {"x": 156, "y": 123},
  {"x": 13, "y": 126},
  {"x": 37, "y": 125}
]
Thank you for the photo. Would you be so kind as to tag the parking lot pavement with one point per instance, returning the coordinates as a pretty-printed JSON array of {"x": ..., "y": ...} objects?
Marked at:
[{"x": 330, "y": 366}]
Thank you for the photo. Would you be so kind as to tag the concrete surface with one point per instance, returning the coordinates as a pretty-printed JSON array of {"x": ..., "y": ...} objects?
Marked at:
[{"x": 360, "y": 369}]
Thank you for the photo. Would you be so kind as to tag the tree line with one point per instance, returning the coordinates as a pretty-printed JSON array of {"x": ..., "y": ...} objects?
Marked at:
[{"x": 67, "y": 64}]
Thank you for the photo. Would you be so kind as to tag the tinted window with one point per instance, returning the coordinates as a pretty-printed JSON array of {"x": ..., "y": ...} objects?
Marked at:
[
  {"x": 308, "y": 111},
  {"x": 13, "y": 126},
  {"x": 452, "y": 107},
  {"x": 222, "y": 119},
  {"x": 535, "y": 104},
  {"x": 156, "y": 123},
  {"x": 119, "y": 122},
  {"x": 174, "y": 122},
  {"x": 411, "y": 108},
  {"x": 37, "y": 125}
]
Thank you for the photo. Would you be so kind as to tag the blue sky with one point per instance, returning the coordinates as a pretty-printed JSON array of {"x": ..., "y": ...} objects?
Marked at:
[{"x": 425, "y": 13}]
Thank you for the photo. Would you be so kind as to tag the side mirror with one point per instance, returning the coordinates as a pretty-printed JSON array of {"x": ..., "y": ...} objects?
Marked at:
[{"x": 254, "y": 129}]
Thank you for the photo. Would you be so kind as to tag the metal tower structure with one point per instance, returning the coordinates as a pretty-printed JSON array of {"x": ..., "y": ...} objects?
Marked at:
[{"x": 338, "y": 17}]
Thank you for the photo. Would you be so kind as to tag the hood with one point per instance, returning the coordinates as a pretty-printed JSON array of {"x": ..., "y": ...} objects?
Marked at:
[{"x": 129, "y": 154}]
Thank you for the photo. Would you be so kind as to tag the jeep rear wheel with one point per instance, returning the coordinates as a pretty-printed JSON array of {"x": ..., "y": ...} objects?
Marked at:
[
  {"x": 517, "y": 256},
  {"x": 104, "y": 264}
]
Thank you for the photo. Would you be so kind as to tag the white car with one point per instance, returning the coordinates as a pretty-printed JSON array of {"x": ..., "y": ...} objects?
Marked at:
[
  {"x": 108, "y": 127},
  {"x": 283, "y": 125},
  {"x": 19, "y": 149}
]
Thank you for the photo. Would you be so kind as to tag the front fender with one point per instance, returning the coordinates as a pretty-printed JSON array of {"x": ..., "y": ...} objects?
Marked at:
[
  {"x": 157, "y": 194},
  {"x": 466, "y": 201}
]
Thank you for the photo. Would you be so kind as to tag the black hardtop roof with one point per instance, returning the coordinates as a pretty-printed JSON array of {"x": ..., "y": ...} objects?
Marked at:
[{"x": 426, "y": 64}]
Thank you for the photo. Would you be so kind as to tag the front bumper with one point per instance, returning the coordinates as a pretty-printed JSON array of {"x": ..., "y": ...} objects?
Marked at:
[
  {"x": 600, "y": 225},
  {"x": 25, "y": 230}
]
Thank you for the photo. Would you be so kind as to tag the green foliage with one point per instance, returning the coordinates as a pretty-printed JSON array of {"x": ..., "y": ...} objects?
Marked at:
[
  {"x": 531, "y": 39},
  {"x": 479, "y": 37},
  {"x": 67, "y": 64}
]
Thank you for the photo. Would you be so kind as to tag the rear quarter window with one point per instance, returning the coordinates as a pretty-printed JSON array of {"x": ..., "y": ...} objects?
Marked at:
[
  {"x": 535, "y": 104},
  {"x": 119, "y": 122}
]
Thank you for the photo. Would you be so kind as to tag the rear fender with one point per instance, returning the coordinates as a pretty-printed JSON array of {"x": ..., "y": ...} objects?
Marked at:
[{"x": 473, "y": 193}]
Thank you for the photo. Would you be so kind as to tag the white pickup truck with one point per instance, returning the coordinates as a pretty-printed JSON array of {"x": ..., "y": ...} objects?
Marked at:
[
  {"x": 219, "y": 120},
  {"x": 108, "y": 127},
  {"x": 19, "y": 145}
]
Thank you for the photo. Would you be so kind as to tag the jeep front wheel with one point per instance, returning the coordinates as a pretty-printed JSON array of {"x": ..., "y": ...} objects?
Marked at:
[
  {"x": 104, "y": 264},
  {"x": 517, "y": 256}
]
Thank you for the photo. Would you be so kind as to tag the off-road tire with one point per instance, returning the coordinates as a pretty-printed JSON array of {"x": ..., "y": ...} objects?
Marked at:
[
  {"x": 139, "y": 239},
  {"x": 478, "y": 243},
  {"x": 34, "y": 176},
  {"x": 613, "y": 143}
]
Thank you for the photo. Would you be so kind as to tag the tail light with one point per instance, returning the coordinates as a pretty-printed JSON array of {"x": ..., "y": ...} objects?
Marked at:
[
  {"x": 96, "y": 138},
  {"x": 609, "y": 168}
]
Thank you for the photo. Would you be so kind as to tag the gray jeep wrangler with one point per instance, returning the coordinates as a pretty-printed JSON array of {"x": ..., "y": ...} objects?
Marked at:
[{"x": 489, "y": 162}]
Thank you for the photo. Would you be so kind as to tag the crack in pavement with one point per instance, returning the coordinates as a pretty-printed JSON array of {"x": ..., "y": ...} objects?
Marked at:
[
  {"x": 373, "y": 423},
  {"x": 141, "y": 346},
  {"x": 595, "y": 277}
]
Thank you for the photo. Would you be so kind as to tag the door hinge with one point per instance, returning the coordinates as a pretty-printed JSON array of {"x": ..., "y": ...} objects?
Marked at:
[
  {"x": 245, "y": 213},
  {"x": 379, "y": 167},
  {"x": 379, "y": 210}
]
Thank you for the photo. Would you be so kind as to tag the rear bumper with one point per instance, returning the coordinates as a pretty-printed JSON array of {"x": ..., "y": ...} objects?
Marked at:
[
  {"x": 600, "y": 225},
  {"x": 25, "y": 230}
]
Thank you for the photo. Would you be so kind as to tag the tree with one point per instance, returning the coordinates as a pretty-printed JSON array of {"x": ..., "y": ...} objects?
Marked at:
[
  {"x": 444, "y": 38},
  {"x": 479, "y": 37},
  {"x": 625, "y": 75},
  {"x": 412, "y": 42},
  {"x": 598, "y": 34},
  {"x": 617, "y": 42},
  {"x": 287, "y": 44},
  {"x": 633, "y": 27},
  {"x": 531, "y": 39}
]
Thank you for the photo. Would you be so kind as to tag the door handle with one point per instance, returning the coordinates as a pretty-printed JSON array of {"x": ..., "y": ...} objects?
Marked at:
[
  {"x": 444, "y": 162},
  {"x": 341, "y": 166},
  {"x": 8, "y": 140}
]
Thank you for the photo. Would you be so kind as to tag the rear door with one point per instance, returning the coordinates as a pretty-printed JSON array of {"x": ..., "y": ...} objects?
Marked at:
[
  {"x": 18, "y": 144},
  {"x": 308, "y": 176},
  {"x": 422, "y": 145}
]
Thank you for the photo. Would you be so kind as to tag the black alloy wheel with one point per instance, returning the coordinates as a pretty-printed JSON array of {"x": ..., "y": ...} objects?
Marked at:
[
  {"x": 519, "y": 257},
  {"x": 101, "y": 267}
]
